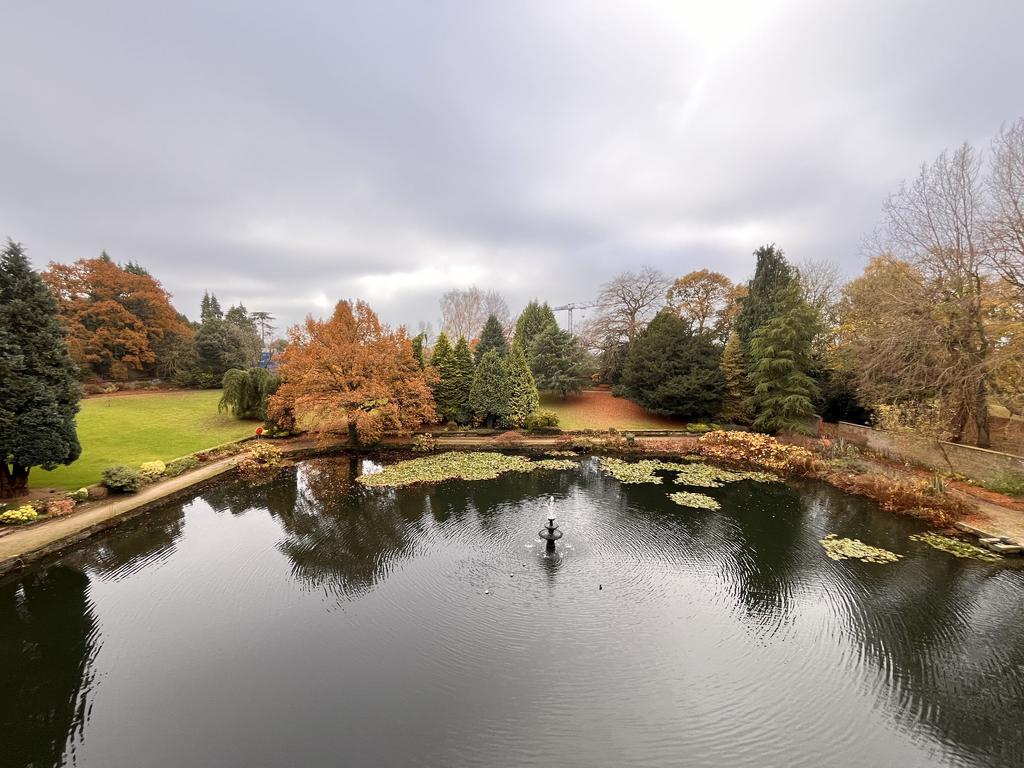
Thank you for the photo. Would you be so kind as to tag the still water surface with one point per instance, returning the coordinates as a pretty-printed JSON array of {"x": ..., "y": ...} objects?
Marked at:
[{"x": 307, "y": 621}]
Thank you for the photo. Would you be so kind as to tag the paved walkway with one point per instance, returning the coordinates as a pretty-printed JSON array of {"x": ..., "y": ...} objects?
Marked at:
[{"x": 24, "y": 545}]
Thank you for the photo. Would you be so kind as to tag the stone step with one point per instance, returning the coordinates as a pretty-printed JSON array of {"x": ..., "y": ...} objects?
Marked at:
[
  {"x": 974, "y": 531},
  {"x": 1005, "y": 549}
]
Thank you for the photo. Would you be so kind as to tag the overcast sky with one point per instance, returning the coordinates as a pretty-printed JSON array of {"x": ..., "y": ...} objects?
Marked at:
[{"x": 288, "y": 154}]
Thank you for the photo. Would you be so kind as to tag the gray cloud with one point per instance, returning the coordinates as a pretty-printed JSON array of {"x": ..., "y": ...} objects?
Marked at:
[{"x": 290, "y": 154}]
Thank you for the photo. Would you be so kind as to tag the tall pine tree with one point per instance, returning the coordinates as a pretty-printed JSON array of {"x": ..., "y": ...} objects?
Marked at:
[
  {"x": 461, "y": 381},
  {"x": 534, "y": 320},
  {"x": 489, "y": 397},
  {"x": 440, "y": 357},
  {"x": 773, "y": 276},
  {"x": 39, "y": 390},
  {"x": 523, "y": 398},
  {"x": 781, "y": 355},
  {"x": 735, "y": 408},
  {"x": 492, "y": 337}
]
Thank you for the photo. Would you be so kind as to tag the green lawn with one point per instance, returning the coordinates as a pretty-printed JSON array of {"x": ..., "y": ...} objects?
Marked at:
[
  {"x": 598, "y": 409},
  {"x": 131, "y": 429}
]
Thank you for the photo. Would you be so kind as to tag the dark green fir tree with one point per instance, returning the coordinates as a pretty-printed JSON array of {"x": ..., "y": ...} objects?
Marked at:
[
  {"x": 39, "y": 389},
  {"x": 491, "y": 337}
]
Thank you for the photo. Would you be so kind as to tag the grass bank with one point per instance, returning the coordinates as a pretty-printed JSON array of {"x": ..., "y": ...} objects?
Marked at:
[
  {"x": 131, "y": 429},
  {"x": 598, "y": 409}
]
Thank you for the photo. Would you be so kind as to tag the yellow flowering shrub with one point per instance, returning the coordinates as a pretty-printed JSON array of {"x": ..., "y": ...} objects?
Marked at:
[
  {"x": 26, "y": 513},
  {"x": 152, "y": 471}
]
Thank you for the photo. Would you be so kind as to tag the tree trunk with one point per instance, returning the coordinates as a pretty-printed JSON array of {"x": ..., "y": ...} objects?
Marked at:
[
  {"x": 981, "y": 421},
  {"x": 13, "y": 480}
]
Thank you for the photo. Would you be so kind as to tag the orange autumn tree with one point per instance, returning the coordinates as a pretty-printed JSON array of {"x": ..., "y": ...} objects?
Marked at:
[
  {"x": 351, "y": 375},
  {"x": 117, "y": 320}
]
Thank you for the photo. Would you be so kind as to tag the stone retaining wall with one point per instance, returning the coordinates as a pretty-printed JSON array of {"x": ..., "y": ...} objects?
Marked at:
[{"x": 976, "y": 463}]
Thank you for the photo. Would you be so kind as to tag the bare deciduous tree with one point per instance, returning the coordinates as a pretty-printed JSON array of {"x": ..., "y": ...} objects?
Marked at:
[
  {"x": 464, "y": 311},
  {"x": 821, "y": 286},
  {"x": 1005, "y": 221},
  {"x": 627, "y": 303},
  {"x": 928, "y": 335}
]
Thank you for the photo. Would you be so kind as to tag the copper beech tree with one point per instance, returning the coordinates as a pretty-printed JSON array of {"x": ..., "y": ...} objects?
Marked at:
[
  {"x": 117, "y": 320},
  {"x": 351, "y": 375}
]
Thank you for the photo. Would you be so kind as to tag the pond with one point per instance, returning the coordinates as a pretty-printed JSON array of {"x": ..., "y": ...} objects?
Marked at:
[{"x": 309, "y": 621}]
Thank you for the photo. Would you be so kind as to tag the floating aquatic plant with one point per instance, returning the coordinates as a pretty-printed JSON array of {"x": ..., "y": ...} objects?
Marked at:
[
  {"x": 695, "y": 500},
  {"x": 460, "y": 465},
  {"x": 554, "y": 464},
  {"x": 855, "y": 549},
  {"x": 707, "y": 476},
  {"x": 559, "y": 454},
  {"x": 956, "y": 547},
  {"x": 633, "y": 472}
]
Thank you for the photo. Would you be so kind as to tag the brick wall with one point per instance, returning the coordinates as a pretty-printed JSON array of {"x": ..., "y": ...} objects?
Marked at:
[{"x": 975, "y": 463}]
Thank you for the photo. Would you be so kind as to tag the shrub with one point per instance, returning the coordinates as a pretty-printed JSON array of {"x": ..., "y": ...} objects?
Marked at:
[
  {"x": 759, "y": 450},
  {"x": 183, "y": 378},
  {"x": 80, "y": 495},
  {"x": 122, "y": 479},
  {"x": 508, "y": 439},
  {"x": 57, "y": 507},
  {"x": 181, "y": 466},
  {"x": 1009, "y": 483},
  {"x": 541, "y": 420},
  {"x": 697, "y": 429},
  {"x": 261, "y": 458},
  {"x": 152, "y": 471},
  {"x": 204, "y": 380},
  {"x": 26, "y": 513},
  {"x": 917, "y": 498},
  {"x": 424, "y": 443},
  {"x": 630, "y": 439}
]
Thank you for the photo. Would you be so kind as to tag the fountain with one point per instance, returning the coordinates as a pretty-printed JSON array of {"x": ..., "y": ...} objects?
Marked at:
[{"x": 551, "y": 534}]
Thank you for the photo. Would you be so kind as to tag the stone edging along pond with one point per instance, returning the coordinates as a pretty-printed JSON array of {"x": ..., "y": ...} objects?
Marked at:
[{"x": 23, "y": 546}]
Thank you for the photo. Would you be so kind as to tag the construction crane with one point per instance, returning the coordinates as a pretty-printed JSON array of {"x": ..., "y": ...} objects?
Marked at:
[{"x": 574, "y": 305}]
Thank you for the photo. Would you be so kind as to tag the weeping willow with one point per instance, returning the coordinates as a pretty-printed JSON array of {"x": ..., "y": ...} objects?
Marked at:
[{"x": 245, "y": 392}]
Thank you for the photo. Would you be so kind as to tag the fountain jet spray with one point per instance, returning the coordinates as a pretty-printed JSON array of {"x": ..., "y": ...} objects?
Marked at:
[{"x": 550, "y": 533}]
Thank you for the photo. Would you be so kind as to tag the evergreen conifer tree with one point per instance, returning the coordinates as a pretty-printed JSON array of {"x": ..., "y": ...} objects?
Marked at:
[
  {"x": 773, "y": 276},
  {"x": 535, "y": 319},
  {"x": 781, "y": 357},
  {"x": 489, "y": 396},
  {"x": 39, "y": 389},
  {"x": 557, "y": 361},
  {"x": 209, "y": 309},
  {"x": 735, "y": 408},
  {"x": 523, "y": 396},
  {"x": 440, "y": 357},
  {"x": 417, "y": 348},
  {"x": 491, "y": 337},
  {"x": 461, "y": 381},
  {"x": 672, "y": 371}
]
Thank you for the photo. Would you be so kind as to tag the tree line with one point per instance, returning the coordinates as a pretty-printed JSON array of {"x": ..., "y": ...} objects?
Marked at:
[
  {"x": 927, "y": 339},
  {"x": 120, "y": 324}
]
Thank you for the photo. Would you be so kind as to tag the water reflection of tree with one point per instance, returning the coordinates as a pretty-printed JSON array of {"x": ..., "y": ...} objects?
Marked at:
[
  {"x": 275, "y": 492},
  {"x": 151, "y": 537},
  {"x": 770, "y": 539},
  {"x": 945, "y": 636},
  {"x": 48, "y": 644},
  {"x": 342, "y": 538}
]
